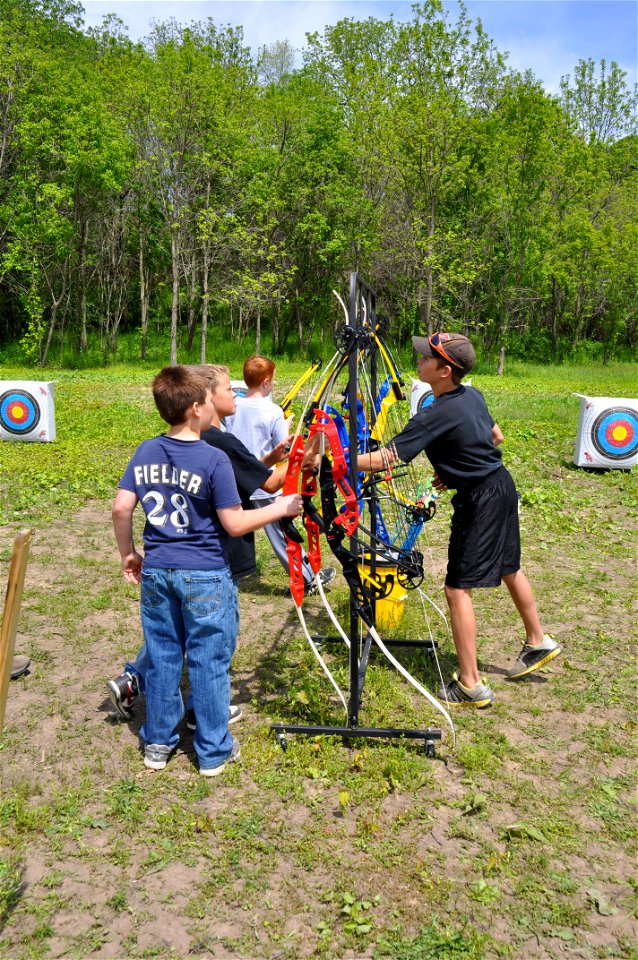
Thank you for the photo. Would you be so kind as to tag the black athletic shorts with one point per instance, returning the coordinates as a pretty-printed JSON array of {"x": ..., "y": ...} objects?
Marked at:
[{"x": 485, "y": 540}]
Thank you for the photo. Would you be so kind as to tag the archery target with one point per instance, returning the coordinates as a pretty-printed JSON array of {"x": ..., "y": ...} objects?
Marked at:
[
  {"x": 239, "y": 387},
  {"x": 27, "y": 411},
  {"x": 607, "y": 433},
  {"x": 420, "y": 397}
]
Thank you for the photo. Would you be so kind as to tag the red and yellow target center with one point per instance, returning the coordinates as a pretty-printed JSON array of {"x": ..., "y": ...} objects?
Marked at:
[
  {"x": 17, "y": 411},
  {"x": 619, "y": 433}
]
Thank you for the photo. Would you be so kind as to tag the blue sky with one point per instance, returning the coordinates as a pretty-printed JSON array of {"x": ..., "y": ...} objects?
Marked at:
[{"x": 547, "y": 36}]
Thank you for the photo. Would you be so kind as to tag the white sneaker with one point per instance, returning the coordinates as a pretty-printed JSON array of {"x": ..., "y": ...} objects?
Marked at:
[{"x": 235, "y": 754}]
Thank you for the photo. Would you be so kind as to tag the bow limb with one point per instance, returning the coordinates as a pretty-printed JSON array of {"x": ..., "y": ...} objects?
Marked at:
[
  {"x": 293, "y": 549},
  {"x": 343, "y": 306},
  {"x": 322, "y": 662},
  {"x": 293, "y": 537},
  {"x": 412, "y": 680},
  {"x": 394, "y": 395},
  {"x": 303, "y": 379},
  {"x": 335, "y": 535}
]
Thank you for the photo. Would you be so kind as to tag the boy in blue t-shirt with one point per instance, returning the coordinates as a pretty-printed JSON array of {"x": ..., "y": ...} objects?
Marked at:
[{"x": 189, "y": 600}]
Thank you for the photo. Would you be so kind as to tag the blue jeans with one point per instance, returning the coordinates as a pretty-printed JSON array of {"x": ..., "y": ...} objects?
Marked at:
[{"x": 192, "y": 613}]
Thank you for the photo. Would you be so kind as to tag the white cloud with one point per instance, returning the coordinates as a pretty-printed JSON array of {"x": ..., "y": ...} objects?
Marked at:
[{"x": 546, "y": 36}]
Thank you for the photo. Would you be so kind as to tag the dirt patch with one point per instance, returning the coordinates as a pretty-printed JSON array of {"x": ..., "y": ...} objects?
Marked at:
[{"x": 119, "y": 862}]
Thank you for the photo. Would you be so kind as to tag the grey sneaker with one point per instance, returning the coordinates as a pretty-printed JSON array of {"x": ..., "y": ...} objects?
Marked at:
[
  {"x": 234, "y": 714},
  {"x": 459, "y": 696},
  {"x": 156, "y": 756},
  {"x": 19, "y": 665},
  {"x": 533, "y": 658},
  {"x": 123, "y": 691},
  {"x": 235, "y": 754}
]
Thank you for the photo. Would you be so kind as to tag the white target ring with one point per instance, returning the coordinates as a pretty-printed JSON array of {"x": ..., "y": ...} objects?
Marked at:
[
  {"x": 27, "y": 411},
  {"x": 607, "y": 433},
  {"x": 421, "y": 396}
]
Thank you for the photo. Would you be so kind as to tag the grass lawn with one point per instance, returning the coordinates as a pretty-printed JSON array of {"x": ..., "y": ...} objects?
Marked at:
[{"x": 519, "y": 843}]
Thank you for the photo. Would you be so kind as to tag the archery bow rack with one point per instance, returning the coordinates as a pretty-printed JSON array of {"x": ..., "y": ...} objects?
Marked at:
[{"x": 361, "y": 319}]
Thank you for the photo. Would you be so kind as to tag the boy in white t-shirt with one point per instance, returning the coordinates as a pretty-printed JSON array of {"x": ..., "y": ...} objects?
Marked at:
[{"x": 260, "y": 425}]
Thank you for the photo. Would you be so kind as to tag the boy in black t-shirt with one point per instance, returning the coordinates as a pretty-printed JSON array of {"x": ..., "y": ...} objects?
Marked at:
[{"x": 461, "y": 441}]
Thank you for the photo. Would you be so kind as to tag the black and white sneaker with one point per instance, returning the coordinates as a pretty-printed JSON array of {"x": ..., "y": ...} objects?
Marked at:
[
  {"x": 123, "y": 691},
  {"x": 234, "y": 714},
  {"x": 533, "y": 658}
]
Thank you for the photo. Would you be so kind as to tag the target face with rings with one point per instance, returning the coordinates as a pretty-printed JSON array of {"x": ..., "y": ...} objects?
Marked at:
[
  {"x": 421, "y": 396},
  {"x": 614, "y": 433},
  {"x": 19, "y": 412},
  {"x": 27, "y": 411}
]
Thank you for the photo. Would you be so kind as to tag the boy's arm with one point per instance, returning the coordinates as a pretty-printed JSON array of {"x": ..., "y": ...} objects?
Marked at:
[
  {"x": 276, "y": 480},
  {"x": 237, "y": 522},
  {"x": 377, "y": 459},
  {"x": 277, "y": 454},
  {"x": 497, "y": 435},
  {"x": 122, "y": 514},
  {"x": 366, "y": 462}
]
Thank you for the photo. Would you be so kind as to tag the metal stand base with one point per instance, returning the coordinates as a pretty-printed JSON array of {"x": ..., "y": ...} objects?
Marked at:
[{"x": 429, "y": 734}]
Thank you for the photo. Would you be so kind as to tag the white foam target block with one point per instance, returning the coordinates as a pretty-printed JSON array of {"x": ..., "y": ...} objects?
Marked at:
[
  {"x": 421, "y": 396},
  {"x": 607, "y": 434},
  {"x": 239, "y": 387},
  {"x": 27, "y": 411}
]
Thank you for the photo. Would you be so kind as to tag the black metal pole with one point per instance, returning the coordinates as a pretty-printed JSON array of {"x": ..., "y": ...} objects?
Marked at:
[{"x": 353, "y": 320}]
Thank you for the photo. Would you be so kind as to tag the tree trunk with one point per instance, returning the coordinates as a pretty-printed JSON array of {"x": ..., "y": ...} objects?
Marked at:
[
  {"x": 204, "y": 307},
  {"x": 55, "y": 303},
  {"x": 258, "y": 329},
  {"x": 298, "y": 319},
  {"x": 52, "y": 320},
  {"x": 276, "y": 327},
  {"x": 554, "y": 317},
  {"x": 175, "y": 300},
  {"x": 144, "y": 299},
  {"x": 84, "y": 233},
  {"x": 192, "y": 312},
  {"x": 501, "y": 360}
]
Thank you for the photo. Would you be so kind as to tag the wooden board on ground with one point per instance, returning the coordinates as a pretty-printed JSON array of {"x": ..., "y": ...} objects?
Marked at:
[{"x": 11, "y": 613}]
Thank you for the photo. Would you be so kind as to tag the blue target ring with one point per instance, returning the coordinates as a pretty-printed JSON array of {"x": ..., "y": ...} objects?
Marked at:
[
  {"x": 19, "y": 412},
  {"x": 614, "y": 433}
]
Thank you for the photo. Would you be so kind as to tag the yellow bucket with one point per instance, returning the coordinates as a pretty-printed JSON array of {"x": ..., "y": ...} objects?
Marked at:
[{"x": 389, "y": 610}]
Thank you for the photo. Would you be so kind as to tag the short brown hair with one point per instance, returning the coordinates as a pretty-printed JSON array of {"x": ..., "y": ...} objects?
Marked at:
[
  {"x": 256, "y": 370},
  {"x": 177, "y": 388},
  {"x": 213, "y": 373}
]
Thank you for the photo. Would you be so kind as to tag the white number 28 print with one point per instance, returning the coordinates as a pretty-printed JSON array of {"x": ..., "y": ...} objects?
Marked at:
[{"x": 158, "y": 515}]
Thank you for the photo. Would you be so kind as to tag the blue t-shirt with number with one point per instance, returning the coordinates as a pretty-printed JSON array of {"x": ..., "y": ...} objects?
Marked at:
[{"x": 181, "y": 484}]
